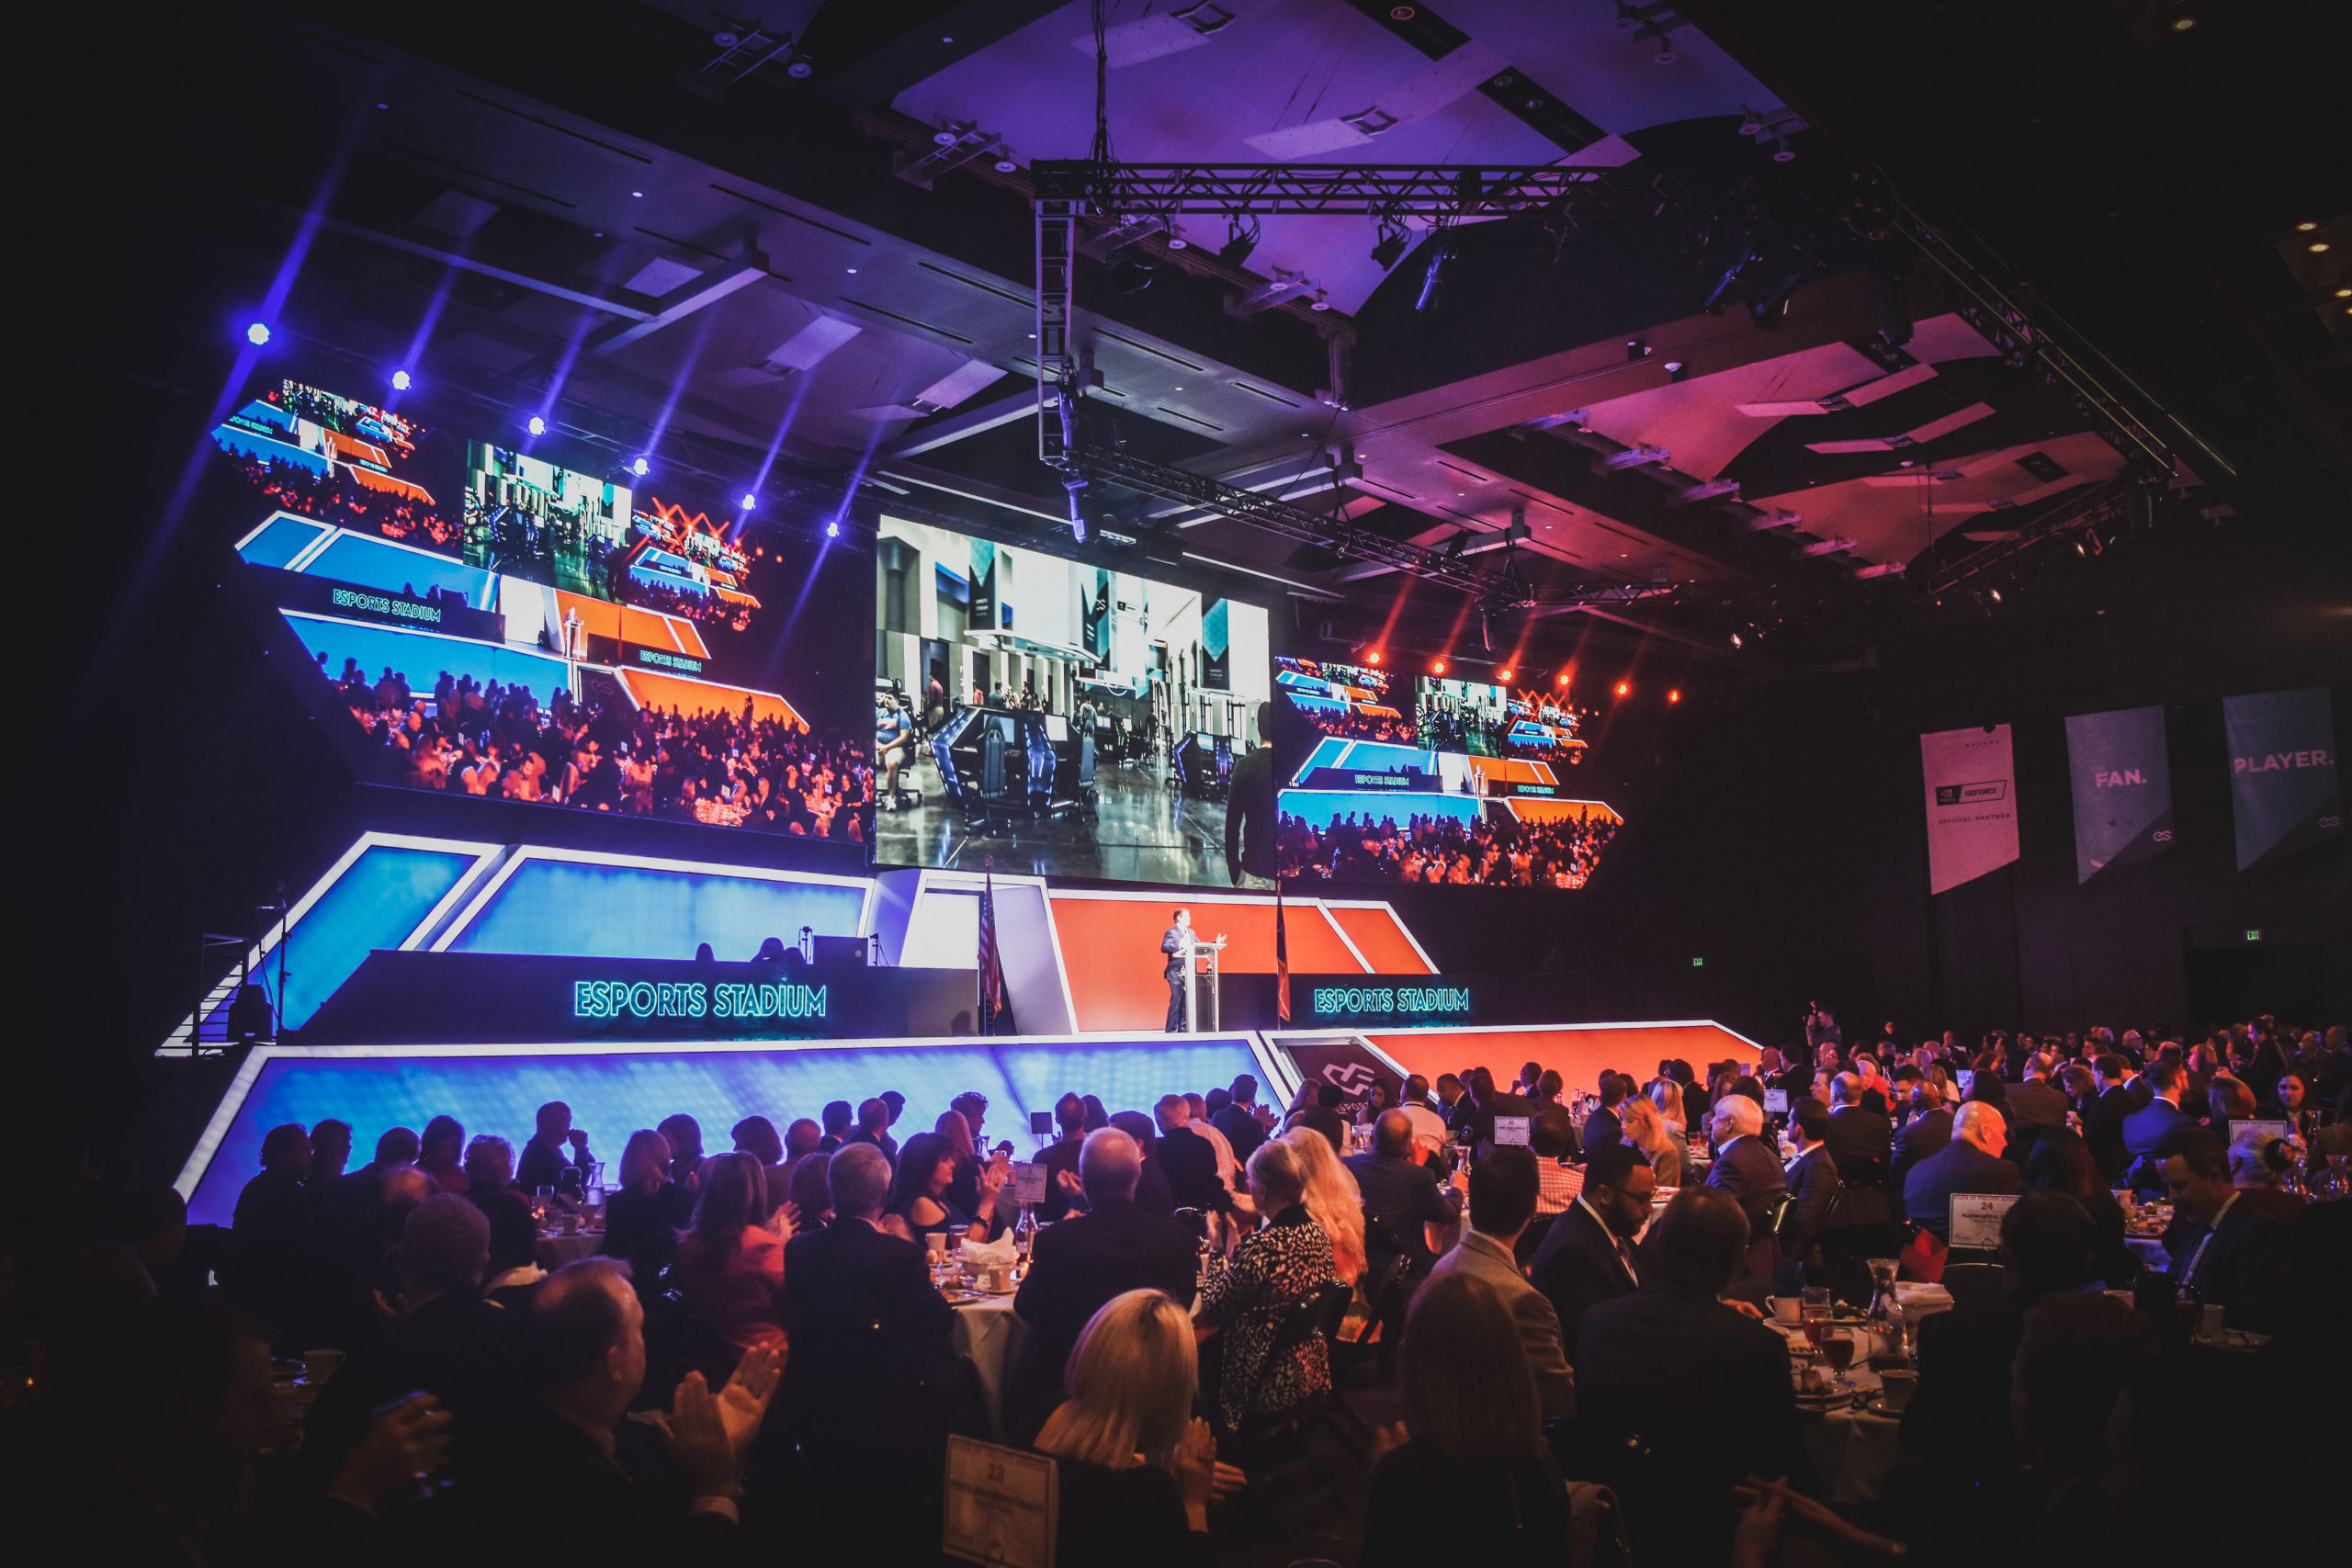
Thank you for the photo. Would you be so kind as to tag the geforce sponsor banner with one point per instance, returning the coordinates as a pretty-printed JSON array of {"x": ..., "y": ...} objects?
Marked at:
[
  {"x": 2122, "y": 790},
  {"x": 1971, "y": 804},
  {"x": 2283, "y": 772}
]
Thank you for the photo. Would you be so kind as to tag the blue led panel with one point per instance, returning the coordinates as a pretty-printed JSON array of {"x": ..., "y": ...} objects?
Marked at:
[
  {"x": 382, "y": 897},
  {"x": 1320, "y": 808},
  {"x": 422, "y": 656},
  {"x": 280, "y": 540},
  {"x": 568, "y": 908},
  {"x": 373, "y": 563},
  {"x": 612, "y": 1096}
]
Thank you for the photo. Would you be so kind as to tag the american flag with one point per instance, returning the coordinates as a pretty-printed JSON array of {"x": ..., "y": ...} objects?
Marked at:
[
  {"x": 1282, "y": 960},
  {"x": 992, "y": 965}
]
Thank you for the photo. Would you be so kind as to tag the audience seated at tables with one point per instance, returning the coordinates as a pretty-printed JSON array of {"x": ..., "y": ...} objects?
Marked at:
[
  {"x": 731, "y": 1264},
  {"x": 1604, "y": 1126},
  {"x": 1401, "y": 1197},
  {"x": 1704, "y": 1385},
  {"x": 809, "y": 1190},
  {"x": 1971, "y": 1163},
  {"x": 1228, "y": 1168},
  {"x": 2061, "y": 1162},
  {"x": 514, "y": 1246},
  {"x": 837, "y": 1117},
  {"x": 1077, "y": 1265},
  {"x": 1857, "y": 1133},
  {"x": 1587, "y": 1257},
  {"x": 489, "y": 1166},
  {"x": 1813, "y": 1187},
  {"x": 645, "y": 1213},
  {"x": 1134, "y": 1469},
  {"x": 1189, "y": 1160},
  {"x": 438, "y": 1152},
  {"x": 2078, "y": 1358},
  {"x": 926, "y": 1170},
  {"x": 330, "y": 1150},
  {"x": 756, "y": 1136},
  {"x": 2230, "y": 1253},
  {"x": 1641, "y": 1125},
  {"x": 278, "y": 1256},
  {"x": 874, "y": 1127},
  {"x": 567, "y": 1466},
  {"x": 1275, "y": 1271},
  {"x": 1958, "y": 1420},
  {"x": 1468, "y": 1478},
  {"x": 1321, "y": 1112},
  {"x": 2038, "y": 1102},
  {"x": 543, "y": 1163},
  {"x": 685, "y": 1149},
  {"x": 1331, "y": 1200},
  {"x": 1750, "y": 1170},
  {"x": 1059, "y": 1159},
  {"x": 1502, "y": 1200},
  {"x": 2259, "y": 1161},
  {"x": 1551, "y": 1138}
]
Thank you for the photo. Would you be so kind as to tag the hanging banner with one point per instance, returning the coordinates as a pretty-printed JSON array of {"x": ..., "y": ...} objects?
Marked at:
[
  {"x": 1217, "y": 646},
  {"x": 980, "y": 614},
  {"x": 2122, "y": 788},
  {"x": 1971, "y": 804},
  {"x": 2283, "y": 772}
]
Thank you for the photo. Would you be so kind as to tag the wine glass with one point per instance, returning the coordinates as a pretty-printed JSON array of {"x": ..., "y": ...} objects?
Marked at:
[{"x": 1837, "y": 1349}]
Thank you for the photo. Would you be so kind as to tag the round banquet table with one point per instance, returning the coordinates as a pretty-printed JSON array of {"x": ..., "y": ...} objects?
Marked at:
[
  {"x": 556, "y": 1250},
  {"x": 1853, "y": 1448},
  {"x": 987, "y": 1333}
]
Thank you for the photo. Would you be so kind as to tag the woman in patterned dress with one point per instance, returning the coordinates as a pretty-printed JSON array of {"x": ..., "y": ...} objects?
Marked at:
[{"x": 1271, "y": 1274}]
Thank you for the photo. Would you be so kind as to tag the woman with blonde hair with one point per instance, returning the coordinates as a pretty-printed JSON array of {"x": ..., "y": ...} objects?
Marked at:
[
  {"x": 1133, "y": 1466},
  {"x": 1333, "y": 1200},
  {"x": 1474, "y": 1435},
  {"x": 644, "y": 1217},
  {"x": 1645, "y": 1129}
]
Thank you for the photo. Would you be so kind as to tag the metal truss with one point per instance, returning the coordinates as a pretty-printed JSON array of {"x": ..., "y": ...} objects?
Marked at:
[
  {"x": 2100, "y": 506},
  {"x": 1428, "y": 190}
]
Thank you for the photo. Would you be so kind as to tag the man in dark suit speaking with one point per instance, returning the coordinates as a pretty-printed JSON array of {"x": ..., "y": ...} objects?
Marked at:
[{"x": 1177, "y": 943}]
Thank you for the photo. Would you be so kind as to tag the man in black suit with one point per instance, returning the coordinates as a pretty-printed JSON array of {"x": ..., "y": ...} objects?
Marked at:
[
  {"x": 2146, "y": 1128},
  {"x": 1706, "y": 1387},
  {"x": 2103, "y": 1121},
  {"x": 1081, "y": 1263},
  {"x": 1873, "y": 1097},
  {"x": 1603, "y": 1128},
  {"x": 1750, "y": 1170},
  {"x": 568, "y": 1452},
  {"x": 1857, "y": 1133},
  {"x": 1588, "y": 1256},
  {"x": 2038, "y": 1102},
  {"x": 1399, "y": 1197},
  {"x": 1188, "y": 1160},
  {"x": 2235, "y": 1255},
  {"x": 1238, "y": 1122},
  {"x": 1177, "y": 943},
  {"x": 1813, "y": 1180},
  {"x": 1971, "y": 1163},
  {"x": 1923, "y": 1136}
]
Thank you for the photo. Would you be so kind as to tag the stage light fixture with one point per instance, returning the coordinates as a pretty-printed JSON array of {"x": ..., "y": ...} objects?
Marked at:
[
  {"x": 1239, "y": 242},
  {"x": 1373, "y": 658},
  {"x": 2184, "y": 24},
  {"x": 1636, "y": 349},
  {"x": 1735, "y": 642},
  {"x": 1624, "y": 688},
  {"x": 832, "y": 530},
  {"x": 641, "y": 468},
  {"x": 1437, "y": 666},
  {"x": 1674, "y": 693},
  {"x": 1676, "y": 369},
  {"x": 749, "y": 500},
  {"x": 2305, "y": 227},
  {"x": 400, "y": 381},
  {"x": 2080, "y": 550},
  {"x": 2343, "y": 294},
  {"x": 258, "y": 333},
  {"x": 1564, "y": 678},
  {"x": 1502, "y": 674},
  {"x": 1994, "y": 594},
  {"x": 538, "y": 426},
  {"x": 2318, "y": 247}
]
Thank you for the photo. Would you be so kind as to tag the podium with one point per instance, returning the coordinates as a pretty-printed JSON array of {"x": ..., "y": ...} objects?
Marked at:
[{"x": 1200, "y": 960}]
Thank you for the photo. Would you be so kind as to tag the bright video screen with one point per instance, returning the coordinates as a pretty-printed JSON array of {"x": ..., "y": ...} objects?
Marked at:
[
  {"x": 1434, "y": 779},
  {"x": 493, "y": 624},
  {"x": 1060, "y": 717}
]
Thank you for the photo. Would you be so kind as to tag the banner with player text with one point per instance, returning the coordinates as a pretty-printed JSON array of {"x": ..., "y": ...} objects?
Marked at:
[
  {"x": 2122, "y": 788},
  {"x": 2283, "y": 772},
  {"x": 1971, "y": 804}
]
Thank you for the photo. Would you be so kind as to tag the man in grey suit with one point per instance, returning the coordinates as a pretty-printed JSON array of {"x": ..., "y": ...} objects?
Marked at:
[
  {"x": 1503, "y": 1200},
  {"x": 2038, "y": 1102}
]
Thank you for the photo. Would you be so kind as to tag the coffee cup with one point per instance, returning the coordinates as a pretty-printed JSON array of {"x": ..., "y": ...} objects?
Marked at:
[
  {"x": 1896, "y": 1386},
  {"x": 1788, "y": 1310}
]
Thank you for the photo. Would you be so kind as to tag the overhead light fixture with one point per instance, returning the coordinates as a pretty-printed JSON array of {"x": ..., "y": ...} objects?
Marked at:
[
  {"x": 258, "y": 333},
  {"x": 641, "y": 468},
  {"x": 1389, "y": 248},
  {"x": 2343, "y": 294},
  {"x": 1735, "y": 642},
  {"x": 2305, "y": 227},
  {"x": 1373, "y": 658},
  {"x": 1437, "y": 666},
  {"x": 1676, "y": 369},
  {"x": 2184, "y": 24},
  {"x": 1624, "y": 688},
  {"x": 2080, "y": 550},
  {"x": 1994, "y": 594},
  {"x": 399, "y": 380},
  {"x": 749, "y": 500},
  {"x": 538, "y": 425},
  {"x": 1564, "y": 678},
  {"x": 2318, "y": 247},
  {"x": 1240, "y": 241},
  {"x": 1635, "y": 349},
  {"x": 1502, "y": 674},
  {"x": 1674, "y": 693},
  {"x": 832, "y": 530}
]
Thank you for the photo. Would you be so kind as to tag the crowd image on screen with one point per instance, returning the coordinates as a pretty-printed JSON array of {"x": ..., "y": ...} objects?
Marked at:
[
  {"x": 1503, "y": 853},
  {"x": 729, "y": 768},
  {"x": 335, "y": 498},
  {"x": 1361, "y": 724}
]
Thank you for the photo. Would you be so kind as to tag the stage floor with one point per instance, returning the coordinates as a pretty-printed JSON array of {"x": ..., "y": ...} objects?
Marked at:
[{"x": 1144, "y": 833}]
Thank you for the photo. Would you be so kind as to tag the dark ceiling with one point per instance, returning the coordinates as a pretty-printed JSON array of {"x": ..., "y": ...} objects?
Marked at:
[{"x": 537, "y": 200}]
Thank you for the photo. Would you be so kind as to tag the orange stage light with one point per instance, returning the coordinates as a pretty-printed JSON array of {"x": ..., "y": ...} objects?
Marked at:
[
  {"x": 1502, "y": 674},
  {"x": 1437, "y": 666},
  {"x": 1675, "y": 696},
  {"x": 1373, "y": 658},
  {"x": 1624, "y": 688}
]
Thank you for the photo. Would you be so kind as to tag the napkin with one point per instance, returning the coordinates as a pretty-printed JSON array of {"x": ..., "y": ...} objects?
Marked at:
[
  {"x": 985, "y": 1254},
  {"x": 1918, "y": 1299}
]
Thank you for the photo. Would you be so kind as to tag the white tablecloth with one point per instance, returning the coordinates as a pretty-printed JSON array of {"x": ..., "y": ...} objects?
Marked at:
[
  {"x": 1853, "y": 1449},
  {"x": 556, "y": 1250},
  {"x": 988, "y": 1334}
]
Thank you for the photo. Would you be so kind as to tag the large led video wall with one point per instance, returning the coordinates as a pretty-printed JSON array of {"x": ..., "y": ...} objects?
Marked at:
[
  {"x": 1434, "y": 779},
  {"x": 1056, "y": 716},
  {"x": 490, "y": 623}
]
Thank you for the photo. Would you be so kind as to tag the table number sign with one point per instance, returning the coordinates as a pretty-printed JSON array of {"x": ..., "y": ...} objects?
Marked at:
[
  {"x": 1001, "y": 1505},
  {"x": 1976, "y": 1220},
  {"x": 1028, "y": 1181},
  {"x": 1511, "y": 1129}
]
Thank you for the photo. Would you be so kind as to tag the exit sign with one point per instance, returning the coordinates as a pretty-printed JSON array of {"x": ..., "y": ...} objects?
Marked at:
[
  {"x": 1698, "y": 964},
  {"x": 2254, "y": 934}
]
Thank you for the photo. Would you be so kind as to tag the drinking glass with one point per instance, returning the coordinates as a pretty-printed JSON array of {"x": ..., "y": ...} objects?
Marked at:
[{"x": 1837, "y": 1349}]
